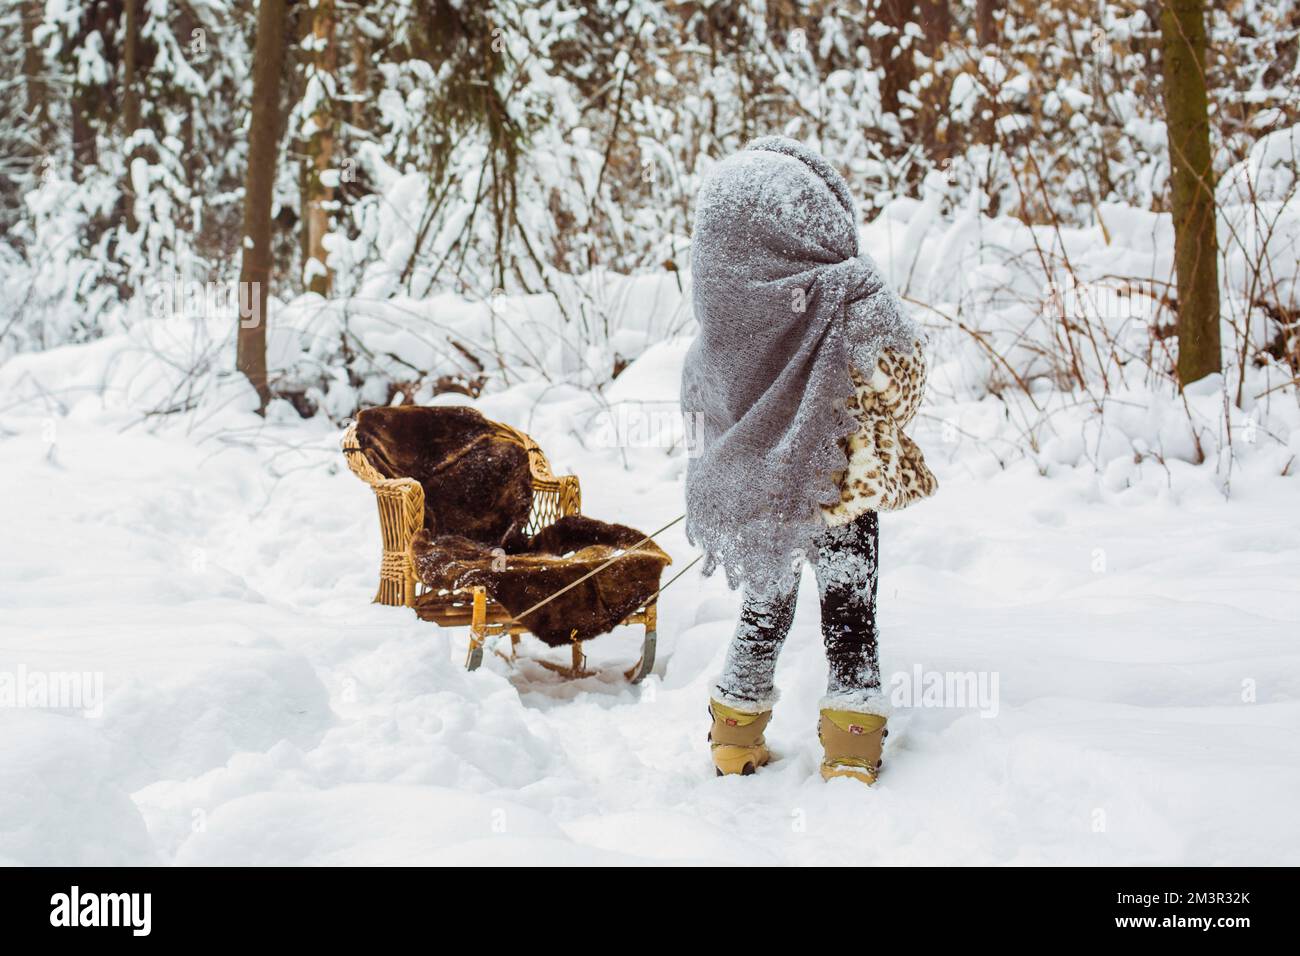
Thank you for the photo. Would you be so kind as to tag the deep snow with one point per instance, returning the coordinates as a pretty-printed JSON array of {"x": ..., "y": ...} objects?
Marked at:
[{"x": 258, "y": 709}]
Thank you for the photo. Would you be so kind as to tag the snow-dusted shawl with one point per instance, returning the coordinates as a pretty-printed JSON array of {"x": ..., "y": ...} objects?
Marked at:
[{"x": 786, "y": 303}]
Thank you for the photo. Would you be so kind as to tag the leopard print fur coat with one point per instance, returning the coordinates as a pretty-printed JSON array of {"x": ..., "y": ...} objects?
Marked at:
[{"x": 886, "y": 470}]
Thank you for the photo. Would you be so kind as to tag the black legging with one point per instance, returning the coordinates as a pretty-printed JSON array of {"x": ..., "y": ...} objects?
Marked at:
[{"x": 846, "y": 580}]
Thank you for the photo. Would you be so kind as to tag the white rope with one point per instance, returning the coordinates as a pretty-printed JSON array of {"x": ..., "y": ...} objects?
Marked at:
[{"x": 519, "y": 619}]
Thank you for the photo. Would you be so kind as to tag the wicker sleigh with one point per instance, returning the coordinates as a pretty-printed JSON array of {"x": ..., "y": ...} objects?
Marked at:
[{"x": 401, "y": 515}]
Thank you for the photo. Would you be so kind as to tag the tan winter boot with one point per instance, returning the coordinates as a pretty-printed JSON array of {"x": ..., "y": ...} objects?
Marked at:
[
  {"x": 852, "y": 743},
  {"x": 737, "y": 739}
]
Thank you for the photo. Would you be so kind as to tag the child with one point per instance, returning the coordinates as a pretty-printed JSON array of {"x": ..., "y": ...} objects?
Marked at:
[{"x": 796, "y": 391}]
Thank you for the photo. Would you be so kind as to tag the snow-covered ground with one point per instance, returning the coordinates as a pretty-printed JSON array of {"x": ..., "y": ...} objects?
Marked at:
[{"x": 1138, "y": 639}]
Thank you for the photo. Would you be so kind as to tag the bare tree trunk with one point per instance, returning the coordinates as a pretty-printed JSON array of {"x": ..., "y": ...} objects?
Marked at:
[
  {"x": 896, "y": 62},
  {"x": 936, "y": 22},
  {"x": 1182, "y": 28},
  {"x": 319, "y": 196},
  {"x": 986, "y": 27},
  {"x": 263, "y": 147},
  {"x": 85, "y": 152},
  {"x": 360, "y": 78},
  {"x": 33, "y": 11},
  {"x": 130, "y": 101},
  {"x": 185, "y": 25},
  {"x": 88, "y": 99},
  {"x": 987, "y": 35}
]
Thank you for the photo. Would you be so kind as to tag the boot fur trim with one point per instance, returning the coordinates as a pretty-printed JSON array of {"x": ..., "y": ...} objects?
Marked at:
[
  {"x": 760, "y": 706},
  {"x": 860, "y": 702}
]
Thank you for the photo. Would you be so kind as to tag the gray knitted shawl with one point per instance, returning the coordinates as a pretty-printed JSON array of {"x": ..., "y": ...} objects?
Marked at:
[{"x": 785, "y": 303}]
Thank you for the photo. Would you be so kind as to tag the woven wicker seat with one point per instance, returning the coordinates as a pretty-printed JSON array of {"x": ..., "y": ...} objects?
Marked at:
[{"x": 401, "y": 515}]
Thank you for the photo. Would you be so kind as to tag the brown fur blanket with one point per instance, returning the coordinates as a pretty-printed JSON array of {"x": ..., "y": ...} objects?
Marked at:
[
  {"x": 557, "y": 555},
  {"x": 478, "y": 492},
  {"x": 475, "y": 474}
]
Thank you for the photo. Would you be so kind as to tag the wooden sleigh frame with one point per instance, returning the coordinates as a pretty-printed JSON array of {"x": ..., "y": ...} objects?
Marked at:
[{"x": 401, "y": 515}]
